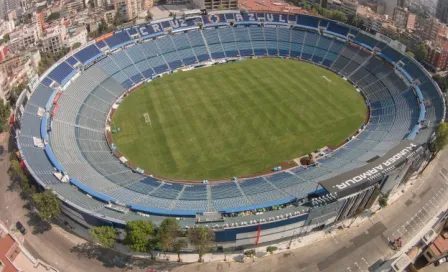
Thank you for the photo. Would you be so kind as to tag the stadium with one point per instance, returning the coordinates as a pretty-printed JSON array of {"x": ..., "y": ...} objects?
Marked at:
[{"x": 72, "y": 126}]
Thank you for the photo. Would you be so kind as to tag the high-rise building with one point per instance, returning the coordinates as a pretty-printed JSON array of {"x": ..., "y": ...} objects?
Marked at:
[
  {"x": 390, "y": 5},
  {"x": 403, "y": 18},
  {"x": 129, "y": 9},
  {"x": 6, "y": 6},
  {"x": 442, "y": 11},
  {"x": 434, "y": 30},
  {"x": 437, "y": 58}
]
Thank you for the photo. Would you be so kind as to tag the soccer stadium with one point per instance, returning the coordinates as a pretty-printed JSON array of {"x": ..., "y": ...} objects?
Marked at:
[{"x": 207, "y": 119}]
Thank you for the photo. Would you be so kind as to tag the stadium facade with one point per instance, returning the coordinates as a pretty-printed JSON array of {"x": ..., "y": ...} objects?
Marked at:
[{"x": 62, "y": 127}]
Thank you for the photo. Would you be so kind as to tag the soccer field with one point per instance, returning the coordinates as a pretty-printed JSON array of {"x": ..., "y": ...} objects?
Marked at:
[{"x": 235, "y": 119}]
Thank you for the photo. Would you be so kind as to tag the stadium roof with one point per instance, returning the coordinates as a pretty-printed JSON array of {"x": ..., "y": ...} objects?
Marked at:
[{"x": 371, "y": 171}]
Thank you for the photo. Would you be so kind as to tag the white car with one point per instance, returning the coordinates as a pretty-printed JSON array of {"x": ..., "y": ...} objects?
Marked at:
[{"x": 440, "y": 261}]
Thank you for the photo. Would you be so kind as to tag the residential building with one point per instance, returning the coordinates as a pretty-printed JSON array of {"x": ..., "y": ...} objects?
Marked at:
[
  {"x": 4, "y": 88},
  {"x": 73, "y": 6},
  {"x": 403, "y": 18},
  {"x": 39, "y": 20},
  {"x": 372, "y": 20},
  {"x": 3, "y": 52},
  {"x": 53, "y": 41},
  {"x": 120, "y": 8},
  {"x": 216, "y": 4},
  {"x": 346, "y": 6},
  {"x": 9, "y": 250},
  {"x": 76, "y": 35},
  {"x": 7, "y": 6},
  {"x": 130, "y": 9},
  {"x": 24, "y": 37},
  {"x": 434, "y": 31},
  {"x": 6, "y": 27},
  {"x": 437, "y": 57},
  {"x": 109, "y": 16},
  {"x": 442, "y": 11},
  {"x": 437, "y": 249},
  {"x": 390, "y": 5}
]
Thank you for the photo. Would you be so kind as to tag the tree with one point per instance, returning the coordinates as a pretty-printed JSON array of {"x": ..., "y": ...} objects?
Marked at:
[
  {"x": 178, "y": 245},
  {"x": 167, "y": 233},
  {"x": 441, "y": 135},
  {"x": 355, "y": 21},
  {"x": 140, "y": 236},
  {"x": 17, "y": 175},
  {"x": 383, "y": 200},
  {"x": 411, "y": 54},
  {"x": 4, "y": 115},
  {"x": 6, "y": 38},
  {"x": 250, "y": 254},
  {"x": 421, "y": 53},
  {"x": 105, "y": 236},
  {"x": 441, "y": 81},
  {"x": 53, "y": 16},
  {"x": 47, "y": 203},
  {"x": 76, "y": 45},
  {"x": 271, "y": 249},
  {"x": 337, "y": 16},
  {"x": 201, "y": 238}
]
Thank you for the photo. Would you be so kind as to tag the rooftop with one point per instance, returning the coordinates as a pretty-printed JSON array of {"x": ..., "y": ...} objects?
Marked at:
[
  {"x": 270, "y": 6},
  {"x": 6, "y": 243},
  {"x": 440, "y": 245}
]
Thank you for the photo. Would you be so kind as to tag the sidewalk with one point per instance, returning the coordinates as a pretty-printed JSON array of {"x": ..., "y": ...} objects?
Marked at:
[
  {"x": 287, "y": 245},
  {"x": 22, "y": 260}
]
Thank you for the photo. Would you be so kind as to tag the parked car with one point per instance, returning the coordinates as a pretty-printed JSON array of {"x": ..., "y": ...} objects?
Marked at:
[
  {"x": 440, "y": 261},
  {"x": 20, "y": 227}
]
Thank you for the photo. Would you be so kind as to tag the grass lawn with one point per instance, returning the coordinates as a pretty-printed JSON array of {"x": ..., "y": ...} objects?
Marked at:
[{"x": 235, "y": 119}]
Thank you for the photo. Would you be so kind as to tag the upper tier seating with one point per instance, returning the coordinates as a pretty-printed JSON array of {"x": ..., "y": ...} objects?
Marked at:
[{"x": 77, "y": 132}]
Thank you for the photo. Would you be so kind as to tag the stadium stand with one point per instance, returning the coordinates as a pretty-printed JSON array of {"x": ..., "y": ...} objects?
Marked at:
[{"x": 76, "y": 144}]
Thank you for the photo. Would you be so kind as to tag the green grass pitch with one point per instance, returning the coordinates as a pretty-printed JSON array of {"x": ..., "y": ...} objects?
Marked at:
[{"x": 235, "y": 119}]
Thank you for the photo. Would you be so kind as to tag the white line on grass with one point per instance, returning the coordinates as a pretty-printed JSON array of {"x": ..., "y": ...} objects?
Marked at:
[{"x": 147, "y": 119}]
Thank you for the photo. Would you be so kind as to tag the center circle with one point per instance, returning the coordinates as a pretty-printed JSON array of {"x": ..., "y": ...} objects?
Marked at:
[{"x": 235, "y": 119}]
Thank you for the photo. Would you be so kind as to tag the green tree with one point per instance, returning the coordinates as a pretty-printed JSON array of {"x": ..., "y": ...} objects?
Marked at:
[
  {"x": 105, "y": 236},
  {"x": 441, "y": 135},
  {"x": 4, "y": 115},
  {"x": 355, "y": 21},
  {"x": 411, "y": 54},
  {"x": 178, "y": 245},
  {"x": 18, "y": 176},
  {"x": 167, "y": 233},
  {"x": 140, "y": 236},
  {"x": 441, "y": 81},
  {"x": 383, "y": 200},
  {"x": 76, "y": 45},
  {"x": 250, "y": 253},
  {"x": 47, "y": 203},
  {"x": 53, "y": 16},
  {"x": 421, "y": 53},
  {"x": 6, "y": 38},
  {"x": 202, "y": 239},
  {"x": 271, "y": 249},
  {"x": 337, "y": 16}
]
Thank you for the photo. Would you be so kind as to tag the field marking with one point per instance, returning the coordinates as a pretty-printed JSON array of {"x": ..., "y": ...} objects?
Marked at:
[
  {"x": 327, "y": 79},
  {"x": 147, "y": 119}
]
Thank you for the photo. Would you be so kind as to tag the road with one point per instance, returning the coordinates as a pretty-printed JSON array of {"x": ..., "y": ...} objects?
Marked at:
[
  {"x": 361, "y": 246},
  {"x": 353, "y": 249},
  {"x": 51, "y": 244}
]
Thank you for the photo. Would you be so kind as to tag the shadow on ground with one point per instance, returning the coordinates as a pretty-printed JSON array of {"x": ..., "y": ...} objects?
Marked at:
[
  {"x": 113, "y": 259},
  {"x": 33, "y": 220}
]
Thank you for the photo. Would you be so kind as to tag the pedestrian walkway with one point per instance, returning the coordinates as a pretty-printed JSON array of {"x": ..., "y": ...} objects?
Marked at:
[{"x": 19, "y": 257}]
